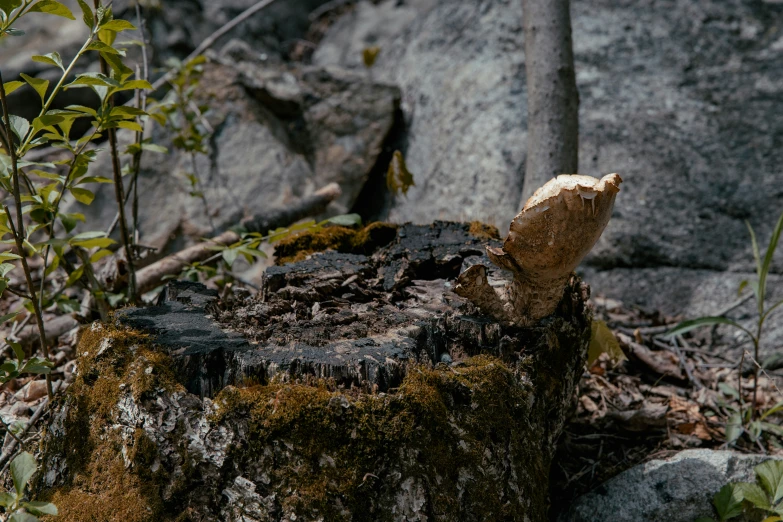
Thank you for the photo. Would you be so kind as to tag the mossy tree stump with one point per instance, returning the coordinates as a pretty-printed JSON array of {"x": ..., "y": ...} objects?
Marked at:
[{"x": 357, "y": 386}]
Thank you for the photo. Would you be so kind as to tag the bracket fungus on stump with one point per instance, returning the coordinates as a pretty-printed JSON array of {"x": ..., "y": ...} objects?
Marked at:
[{"x": 546, "y": 241}]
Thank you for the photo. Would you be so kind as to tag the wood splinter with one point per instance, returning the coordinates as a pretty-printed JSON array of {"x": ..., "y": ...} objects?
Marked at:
[{"x": 546, "y": 241}]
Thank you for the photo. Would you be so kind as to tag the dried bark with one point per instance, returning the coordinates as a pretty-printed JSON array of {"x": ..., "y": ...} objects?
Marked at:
[
  {"x": 552, "y": 97},
  {"x": 355, "y": 387}
]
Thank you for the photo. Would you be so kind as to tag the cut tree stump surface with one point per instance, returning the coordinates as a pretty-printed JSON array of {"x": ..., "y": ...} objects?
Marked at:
[{"x": 356, "y": 387}]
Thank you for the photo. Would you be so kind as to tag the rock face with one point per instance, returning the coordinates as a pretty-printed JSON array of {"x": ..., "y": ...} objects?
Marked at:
[
  {"x": 361, "y": 388},
  {"x": 280, "y": 133},
  {"x": 679, "y": 489},
  {"x": 682, "y": 100}
]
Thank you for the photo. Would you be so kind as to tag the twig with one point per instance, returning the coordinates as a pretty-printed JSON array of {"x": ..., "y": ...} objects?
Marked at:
[
  {"x": 150, "y": 276},
  {"x": 119, "y": 187},
  {"x": 6, "y": 456},
  {"x": 731, "y": 306},
  {"x": 683, "y": 363},
  {"x": 19, "y": 234},
  {"x": 211, "y": 39}
]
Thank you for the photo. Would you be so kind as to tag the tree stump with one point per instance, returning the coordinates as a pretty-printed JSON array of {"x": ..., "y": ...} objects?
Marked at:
[{"x": 357, "y": 386}]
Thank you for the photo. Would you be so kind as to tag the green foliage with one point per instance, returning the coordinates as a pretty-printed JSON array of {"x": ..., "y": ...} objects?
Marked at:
[
  {"x": 23, "y": 467},
  {"x": 748, "y": 421},
  {"x": 766, "y": 495},
  {"x": 37, "y": 189},
  {"x": 13, "y": 368}
]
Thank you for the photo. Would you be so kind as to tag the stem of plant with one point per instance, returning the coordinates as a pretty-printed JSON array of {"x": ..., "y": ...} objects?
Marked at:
[
  {"x": 18, "y": 232},
  {"x": 119, "y": 191}
]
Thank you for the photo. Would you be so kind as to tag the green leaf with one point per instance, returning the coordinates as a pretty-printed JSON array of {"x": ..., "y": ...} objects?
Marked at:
[
  {"x": 121, "y": 71},
  {"x": 39, "y": 84},
  {"x": 154, "y": 148},
  {"x": 230, "y": 255},
  {"x": 95, "y": 179},
  {"x": 126, "y": 112},
  {"x": 733, "y": 428},
  {"x": 37, "y": 366},
  {"x": 22, "y": 469},
  {"x": 118, "y": 26},
  {"x": 19, "y": 126},
  {"x": 771, "y": 411},
  {"x": 5, "y": 268},
  {"x": 53, "y": 8},
  {"x": 87, "y": 16},
  {"x": 82, "y": 108},
  {"x": 687, "y": 326},
  {"x": 103, "y": 48},
  {"x": 51, "y": 59},
  {"x": 9, "y": 5},
  {"x": 6, "y": 499},
  {"x": 346, "y": 220},
  {"x": 23, "y": 517},
  {"x": 10, "y": 87},
  {"x": 93, "y": 79},
  {"x": 770, "y": 475},
  {"x": 728, "y": 502},
  {"x": 74, "y": 276},
  {"x": 100, "y": 254},
  {"x": 11, "y": 31},
  {"x": 754, "y": 494},
  {"x": 18, "y": 350},
  {"x": 8, "y": 317},
  {"x": 101, "y": 242},
  {"x": 773, "y": 244},
  {"x": 40, "y": 508},
  {"x": 5, "y": 256},
  {"x": 82, "y": 195},
  {"x": 132, "y": 125},
  {"x": 135, "y": 84}
]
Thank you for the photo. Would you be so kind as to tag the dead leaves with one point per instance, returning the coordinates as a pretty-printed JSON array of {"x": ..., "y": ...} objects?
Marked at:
[{"x": 398, "y": 178}]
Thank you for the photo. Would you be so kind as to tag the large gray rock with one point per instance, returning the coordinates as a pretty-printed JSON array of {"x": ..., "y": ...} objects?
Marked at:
[
  {"x": 683, "y": 100},
  {"x": 279, "y": 133},
  {"x": 679, "y": 489}
]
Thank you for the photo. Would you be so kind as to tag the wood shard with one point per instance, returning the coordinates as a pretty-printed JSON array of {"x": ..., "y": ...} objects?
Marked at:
[{"x": 547, "y": 240}]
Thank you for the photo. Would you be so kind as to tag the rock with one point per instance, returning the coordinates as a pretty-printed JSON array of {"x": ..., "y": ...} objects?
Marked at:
[
  {"x": 461, "y": 71},
  {"x": 683, "y": 101},
  {"x": 280, "y": 133},
  {"x": 678, "y": 489},
  {"x": 302, "y": 427}
]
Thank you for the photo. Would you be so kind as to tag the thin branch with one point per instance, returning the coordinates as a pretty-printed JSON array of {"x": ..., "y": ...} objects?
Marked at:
[
  {"x": 119, "y": 188},
  {"x": 18, "y": 233},
  {"x": 211, "y": 39}
]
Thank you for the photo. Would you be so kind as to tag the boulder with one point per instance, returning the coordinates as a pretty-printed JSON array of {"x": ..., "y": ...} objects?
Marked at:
[
  {"x": 280, "y": 133},
  {"x": 677, "y": 489},
  {"x": 684, "y": 101}
]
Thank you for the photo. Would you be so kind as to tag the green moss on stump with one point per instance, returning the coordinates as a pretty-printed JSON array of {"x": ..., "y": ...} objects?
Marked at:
[
  {"x": 342, "y": 239},
  {"x": 100, "y": 485},
  {"x": 338, "y": 452}
]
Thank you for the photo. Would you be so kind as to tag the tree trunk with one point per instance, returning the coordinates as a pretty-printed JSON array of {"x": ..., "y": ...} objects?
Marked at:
[
  {"x": 552, "y": 97},
  {"x": 358, "y": 386}
]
